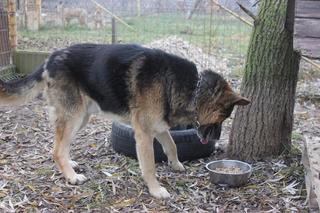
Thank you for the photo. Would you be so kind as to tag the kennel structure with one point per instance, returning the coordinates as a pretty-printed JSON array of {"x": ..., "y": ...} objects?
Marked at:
[
  {"x": 307, "y": 28},
  {"x": 307, "y": 41}
]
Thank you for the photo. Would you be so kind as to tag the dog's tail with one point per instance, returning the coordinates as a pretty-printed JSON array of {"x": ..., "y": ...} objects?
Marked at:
[{"x": 23, "y": 90}]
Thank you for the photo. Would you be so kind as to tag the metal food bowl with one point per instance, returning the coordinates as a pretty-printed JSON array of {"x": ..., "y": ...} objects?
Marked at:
[{"x": 230, "y": 178}]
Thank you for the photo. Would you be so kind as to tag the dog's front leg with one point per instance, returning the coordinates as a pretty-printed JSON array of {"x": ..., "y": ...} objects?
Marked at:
[
  {"x": 145, "y": 154},
  {"x": 170, "y": 149}
]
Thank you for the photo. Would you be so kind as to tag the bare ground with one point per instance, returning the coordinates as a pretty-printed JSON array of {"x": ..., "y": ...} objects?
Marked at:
[{"x": 29, "y": 181}]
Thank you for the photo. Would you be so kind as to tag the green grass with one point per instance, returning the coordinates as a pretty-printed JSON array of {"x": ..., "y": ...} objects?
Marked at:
[
  {"x": 297, "y": 136},
  {"x": 218, "y": 33}
]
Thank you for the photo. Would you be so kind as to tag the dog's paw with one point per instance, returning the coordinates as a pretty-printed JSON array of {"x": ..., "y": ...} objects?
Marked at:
[
  {"x": 177, "y": 166},
  {"x": 160, "y": 193},
  {"x": 77, "y": 179},
  {"x": 73, "y": 164}
]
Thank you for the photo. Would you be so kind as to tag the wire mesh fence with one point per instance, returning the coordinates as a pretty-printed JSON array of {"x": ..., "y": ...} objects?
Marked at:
[
  {"x": 5, "y": 50},
  {"x": 7, "y": 69},
  {"x": 196, "y": 29}
]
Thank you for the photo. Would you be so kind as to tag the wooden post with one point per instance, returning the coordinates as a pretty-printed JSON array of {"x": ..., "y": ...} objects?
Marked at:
[
  {"x": 21, "y": 14},
  {"x": 311, "y": 162},
  {"x": 12, "y": 25},
  {"x": 38, "y": 7},
  {"x": 138, "y": 8},
  {"x": 33, "y": 14},
  {"x": 114, "y": 32}
]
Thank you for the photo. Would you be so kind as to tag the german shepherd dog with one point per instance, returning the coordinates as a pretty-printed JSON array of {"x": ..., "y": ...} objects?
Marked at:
[{"x": 149, "y": 88}]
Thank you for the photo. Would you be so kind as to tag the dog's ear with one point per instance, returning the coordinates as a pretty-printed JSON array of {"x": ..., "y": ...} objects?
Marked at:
[
  {"x": 241, "y": 101},
  {"x": 231, "y": 99}
]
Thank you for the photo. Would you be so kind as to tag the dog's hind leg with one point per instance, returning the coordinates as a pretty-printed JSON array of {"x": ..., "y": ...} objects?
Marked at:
[
  {"x": 170, "y": 149},
  {"x": 145, "y": 155},
  {"x": 66, "y": 127},
  {"x": 65, "y": 130},
  {"x": 83, "y": 123},
  {"x": 69, "y": 113}
]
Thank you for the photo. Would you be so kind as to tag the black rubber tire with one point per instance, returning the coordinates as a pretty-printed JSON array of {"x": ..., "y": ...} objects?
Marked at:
[{"x": 188, "y": 144}]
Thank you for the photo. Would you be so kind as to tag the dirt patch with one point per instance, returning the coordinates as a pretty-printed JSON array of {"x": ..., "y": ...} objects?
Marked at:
[{"x": 29, "y": 181}]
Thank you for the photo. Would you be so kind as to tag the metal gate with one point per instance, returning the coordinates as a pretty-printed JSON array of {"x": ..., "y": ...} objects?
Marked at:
[{"x": 5, "y": 50}]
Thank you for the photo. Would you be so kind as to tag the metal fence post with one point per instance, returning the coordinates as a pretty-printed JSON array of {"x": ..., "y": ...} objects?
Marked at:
[
  {"x": 138, "y": 8},
  {"x": 114, "y": 31}
]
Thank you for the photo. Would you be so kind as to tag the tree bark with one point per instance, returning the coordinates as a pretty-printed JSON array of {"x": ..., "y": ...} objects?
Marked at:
[{"x": 264, "y": 127}]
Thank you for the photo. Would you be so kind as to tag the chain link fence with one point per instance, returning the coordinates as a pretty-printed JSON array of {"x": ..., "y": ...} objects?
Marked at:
[
  {"x": 7, "y": 69},
  {"x": 196, "y": 29}
]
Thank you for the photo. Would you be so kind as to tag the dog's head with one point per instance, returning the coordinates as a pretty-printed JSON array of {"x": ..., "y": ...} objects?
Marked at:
[{"x": 216, "y": 101}]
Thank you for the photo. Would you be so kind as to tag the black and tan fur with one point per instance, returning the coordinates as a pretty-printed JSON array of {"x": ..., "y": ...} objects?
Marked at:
[{"x": 148, "y": 88}]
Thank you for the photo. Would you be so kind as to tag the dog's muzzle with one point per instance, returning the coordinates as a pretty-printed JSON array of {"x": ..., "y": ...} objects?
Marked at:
[{"x": 209, "y": 132}]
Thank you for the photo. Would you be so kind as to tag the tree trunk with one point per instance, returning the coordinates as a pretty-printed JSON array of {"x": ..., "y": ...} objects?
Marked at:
[{"x": 264, "y": 127}]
